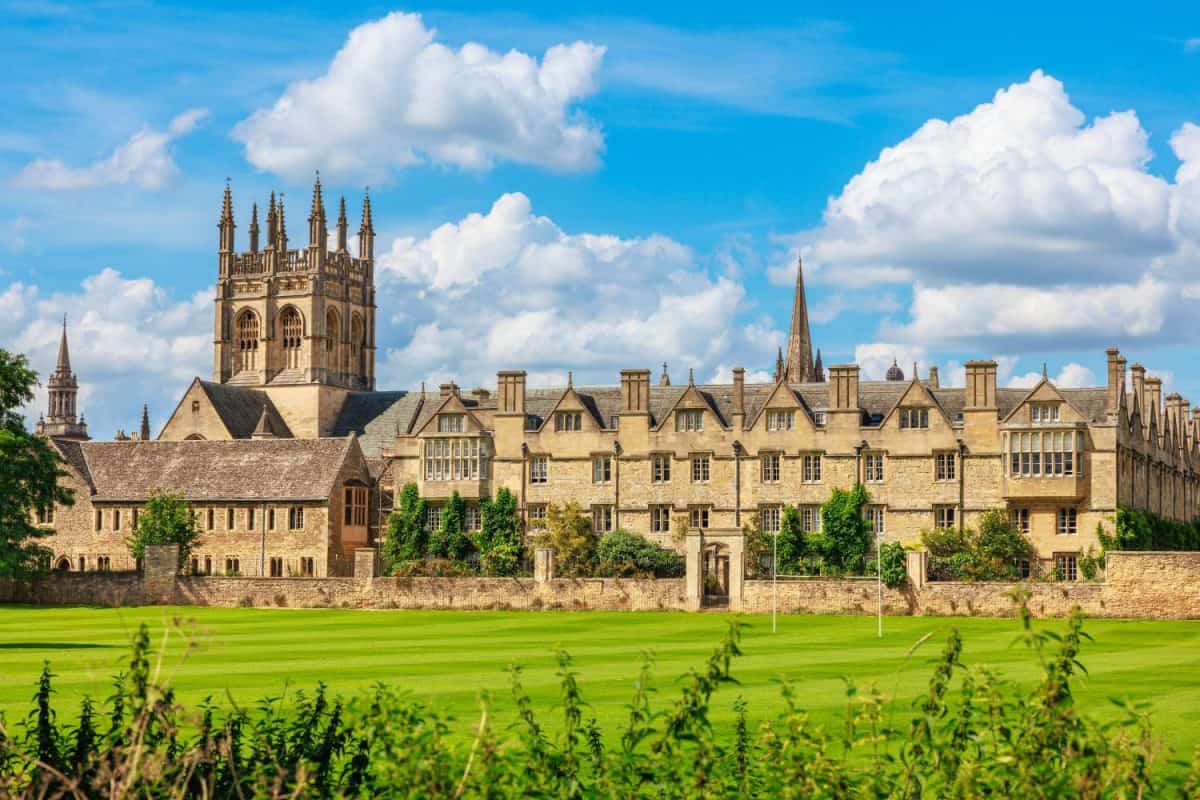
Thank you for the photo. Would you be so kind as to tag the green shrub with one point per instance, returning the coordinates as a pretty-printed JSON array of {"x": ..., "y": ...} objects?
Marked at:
[
  {"x": 791, "y": 544},
  {"x": 892, "y": 565},
  {"x": 990, "y": 553},
  {"x": 625, "y": 554},
  {"x": 165, "y": 519},
  {"x": 450, "y": 541},
  {"x": 1137, "y": 529},
  {"x": 568, "y": 532},
  {"x": 499, "y": 538},
  {"x": 407, "y": 539},
  {"x": 847, "y": 532}
]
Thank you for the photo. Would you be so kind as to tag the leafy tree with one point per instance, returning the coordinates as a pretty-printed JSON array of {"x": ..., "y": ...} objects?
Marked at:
[
  {"x": 791, "y": 545},
  {"x": 29, "y": 473},
  {"x": 499, "y": 537},
  {"x": 625, "y": 554},
  {"x": 449, "y": 541},
  {"x": 407, "y": 539},
  {"x": 990, "y": 553},
  {"x": 892, "y": 566},
  {"x": 758, "y": 544},
  {"x": 847, "y": 532},
  {"x": 569, "y": 534},
  {"x": 166, "y": 519}
]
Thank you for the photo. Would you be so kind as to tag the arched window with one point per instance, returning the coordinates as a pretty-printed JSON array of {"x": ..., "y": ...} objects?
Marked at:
[
  {"x": 246, "y": 347},
  {"x": 292, "y": 329},
  {"x": 63, "y": 565},
  {"x": 358, "y": 341},
  {"x": 333, "y": 333}
]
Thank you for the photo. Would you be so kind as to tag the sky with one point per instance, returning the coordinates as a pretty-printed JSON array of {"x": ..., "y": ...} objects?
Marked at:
[{"x": 596, "y": 186}]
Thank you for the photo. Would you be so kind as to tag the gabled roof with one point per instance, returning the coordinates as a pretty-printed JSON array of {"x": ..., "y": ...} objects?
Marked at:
[
  {"x": 915, "y": 387},
  {"x": 240, "y": 407},
  {"x": 376, "y": 418},
  {"x": 451, "y": 403},
  {"x": 781, "y": 390},
  {"x": 239, "y": 469},
  {"x": 693, "y": 392}
]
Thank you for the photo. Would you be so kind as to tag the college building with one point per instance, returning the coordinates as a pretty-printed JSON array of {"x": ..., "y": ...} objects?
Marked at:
[{"x": 293, "y": 384}]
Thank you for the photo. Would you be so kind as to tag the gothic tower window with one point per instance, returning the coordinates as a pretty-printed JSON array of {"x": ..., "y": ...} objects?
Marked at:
[
  {"x": 247, "y": 341},
  {"x": 332, "y": 334},
  {"x": 358, "y": 346},
  {"x": 293, "y": 333}
]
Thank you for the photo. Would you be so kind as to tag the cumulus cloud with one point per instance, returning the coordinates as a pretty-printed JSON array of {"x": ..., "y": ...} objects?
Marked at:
[
  {"x": 145, "y": 160},
  {"x": 510, "y": 289},
  {"x": 875, "y": 358},
  {"x": 1020, "y": 225},
  {"x": 1071, "y": 376},
  {"x": 393, "y": 97},
  {"x": 131, "y": 342}
]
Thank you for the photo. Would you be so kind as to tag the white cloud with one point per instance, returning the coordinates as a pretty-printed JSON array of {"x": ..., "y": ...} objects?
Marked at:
[
  {"x": 393, "y": 97},
  {"x": 131, "y": 342},
  {"x": 510, "y": 289},
  {"x": 1071, "y": 376},
  {"x": 144, "y": 160},
  {"x": 875, "y": 358}
]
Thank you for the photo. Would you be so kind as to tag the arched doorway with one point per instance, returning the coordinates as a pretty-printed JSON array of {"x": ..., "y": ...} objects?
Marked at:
[
  {"x": 716, "y": 575},
  {"x": 63, "y": 564}
]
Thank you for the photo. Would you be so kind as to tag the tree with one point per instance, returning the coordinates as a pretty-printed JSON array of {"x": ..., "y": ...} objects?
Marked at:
[
  {"x": 624, "y": 554},
  {"x": 166, "y": 519},
  {"x": 499, "y": 537},
  {"x": 407, "y": 539},
  {"x": 989, "y": 554},
  {"x": 758, "y": 546},
  {"x": 790, "y": 548},
  {"x": 29, "y": 471},
  {"x": 569, "y": 534},
  {"x": 847, "y": 532},
  {"x": 449, "y": 540}
]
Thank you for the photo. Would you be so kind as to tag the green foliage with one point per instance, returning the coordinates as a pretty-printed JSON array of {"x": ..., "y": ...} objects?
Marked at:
[
  {"x": 624, "y": 554},
  {"x": 972, "y": 733},
  {"x": 499, "y": 538},
  {"x": 569, "y": 534},
  {"x": 990, "y": 553},
  {"x": 29, "y": 471},
  {"x": 847, "y": 532},
  {"x": 791, "y": 545},
  {"x": 449, "y": 540},
  {"x": 1090, "y": 563},
  {"x": 758, "y": 546},
  {"x": 1141, "y": 530},
  {"x": 892, "y": 566},
  {"x": 407, "y": 539},
  {"x": 166, "y": 519}
]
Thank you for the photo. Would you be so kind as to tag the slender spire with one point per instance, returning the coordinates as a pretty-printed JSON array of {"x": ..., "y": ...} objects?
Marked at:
[
  {"x": 799, "y": 365},
  {"x": 691, "y": 377},
  {"x": 341, "y": 225},
  {"x": 254, "y": 228},
  {"x": 665, "y": 378},
  {"x": 779, "y": 369},
  {"x": 145, "y": 431},
  {"x": 819, "y": 369},
  {"x": 366, "y": 231},
  {"x": 63, "y": 366},
  {"x": 318, "y": 235},
  {"x": 1045, "y": 374},
  {"x": 570, "y": 379},
  {"x": 281, "y": 227},
  {"x": 226, "y": 224},
  {"x": 271, "y": 221}
]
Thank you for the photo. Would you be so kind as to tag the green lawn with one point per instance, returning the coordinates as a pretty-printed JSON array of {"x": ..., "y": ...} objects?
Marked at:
[{"x": 446, "y": 658}]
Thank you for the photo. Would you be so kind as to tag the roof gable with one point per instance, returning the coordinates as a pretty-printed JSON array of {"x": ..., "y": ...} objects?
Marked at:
[
  {"x": 451, "y": 404},
  {"x": 915, "y": 396},
  {"x": 1046, "y": 392},
  {"x": 782, "y": 397},
  {"x": 571, "y": 400},
  {"x": 692, "y": 399}
]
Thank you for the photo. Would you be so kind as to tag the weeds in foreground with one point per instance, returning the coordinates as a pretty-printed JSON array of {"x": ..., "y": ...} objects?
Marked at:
[{"x": 972, "y": 734}]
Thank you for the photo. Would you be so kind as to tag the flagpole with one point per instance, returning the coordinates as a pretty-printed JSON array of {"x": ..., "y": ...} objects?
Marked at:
[
  {"x": 774, "y": 577},
  {"x": 879, "y": 582}
]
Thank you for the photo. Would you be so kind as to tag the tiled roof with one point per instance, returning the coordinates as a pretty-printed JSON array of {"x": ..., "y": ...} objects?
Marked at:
[
  {"x": 240, "y": 408},
  {"x": 376, "y": 417},
  {"x": 239, "y": 469}
]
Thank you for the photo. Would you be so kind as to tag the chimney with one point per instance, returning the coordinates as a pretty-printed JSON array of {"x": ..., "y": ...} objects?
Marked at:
[
  {"x": 447, "y": 389},
  {"x": 843, "y": 387},
  {"x": 1154, "y": 396},
  {"x": 739, "y": 391},
  {"x": 1139, "y": 389},
  {"x": 635, "y": 391},
  {"x": 511, "y": 386},
  {"x": 1116, "y": 378},
  {"x": 981, "y": 384},
  {"x": 933, "y": 378},
  {"x": 480, "y": 393}
]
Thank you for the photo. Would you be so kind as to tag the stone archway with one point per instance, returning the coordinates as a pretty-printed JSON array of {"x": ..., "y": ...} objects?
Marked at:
[{"x": 716, "y": 568}]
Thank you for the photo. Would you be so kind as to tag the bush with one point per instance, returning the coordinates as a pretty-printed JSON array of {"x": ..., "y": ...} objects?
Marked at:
[
  {"x": 569, "y": 534},
  {"x": 449, "y": 541},
  {"x": 791, "y": 545},
  {"x": 972, "y": 734},
  {"x": 166, "y": 519},
  {"x": 407, "y": 539},
  {"x": 624, "y": 554},
  {"x": 499, "y": 538},
  {"x": 990, "y": 554},
  {"x": 847, "y": 532},
  {"x": 892, "y": 565},
  {"x": 432, "y": 568},
  {"x": 1141, "y": 530}
]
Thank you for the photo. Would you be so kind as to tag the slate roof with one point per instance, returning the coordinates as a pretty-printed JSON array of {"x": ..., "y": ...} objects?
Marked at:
[
  {"x": 376, "y": 417},
  {"x": 239, "y": 469},
  {"x": 875, "y": 397},
  {"x": 240, "y": 408}
]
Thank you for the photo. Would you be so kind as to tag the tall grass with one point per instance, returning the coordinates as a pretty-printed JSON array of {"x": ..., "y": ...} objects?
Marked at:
[{"x": 971, "y": 734}]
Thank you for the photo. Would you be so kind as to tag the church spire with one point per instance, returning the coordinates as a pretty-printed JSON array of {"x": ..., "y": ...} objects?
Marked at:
[
  {"x": 271, "y": 222},
  {"x": 62, "y": 392},
  {"x": 366, "y": 231},
  {"x": 318, "y": 235},
  {"x": 779, "y": 371},
  {"x": 254, "y": 228},
  {"x": 144, "y": 434},
  {"x": 665, "y": 378},
  {"x": 281, "y": 229},
  {"x": 799, "y": 365},
  {"x": 818, "y": 369},
  {"x": 341, "y": 225},
  {"x": 62, "y": 367},
  {"x": 226, "y": 224}
]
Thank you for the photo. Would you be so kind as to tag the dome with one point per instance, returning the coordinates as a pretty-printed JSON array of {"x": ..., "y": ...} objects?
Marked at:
[{"x": 894, "y": 372}]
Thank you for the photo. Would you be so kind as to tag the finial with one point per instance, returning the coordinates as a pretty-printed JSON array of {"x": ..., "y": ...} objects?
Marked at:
[
  {"x": 665, "y": 378},
  {"x": 1044, "y": 373},
  {"x": 570, "y": 379},
  {"x": 691, "y": 377}
]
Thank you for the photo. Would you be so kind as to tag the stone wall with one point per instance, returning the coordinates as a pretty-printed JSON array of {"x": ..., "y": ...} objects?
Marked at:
[{"x": 1139, "y": 585}]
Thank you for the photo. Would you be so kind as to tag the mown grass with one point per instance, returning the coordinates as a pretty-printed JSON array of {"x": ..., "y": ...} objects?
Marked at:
[{"x": 447, "y": 658}]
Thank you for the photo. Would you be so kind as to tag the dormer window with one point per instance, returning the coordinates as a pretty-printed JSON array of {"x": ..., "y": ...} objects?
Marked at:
[
  {"x": 688, "y": 420},
  {"x": 450, "y": 423},
  {"x": 819, "y": 417},
  {"x": 781, "y": 420},
  {"x": 914, "y": 418},
  {"x": 568, "y": 421},
  {"x": 1044, "y": 412}
]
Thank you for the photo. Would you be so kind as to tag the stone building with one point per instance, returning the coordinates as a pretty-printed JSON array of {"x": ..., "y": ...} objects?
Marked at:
[
  {"x": 294, "y": 358},
  {"x": 265, "y": 506}
]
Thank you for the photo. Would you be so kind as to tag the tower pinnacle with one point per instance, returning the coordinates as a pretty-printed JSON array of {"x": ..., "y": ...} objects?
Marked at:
[
  {"x": 341, "y": 225},
  {"x": 799, "y": 365},
  {"x": 62, "y": 392}
]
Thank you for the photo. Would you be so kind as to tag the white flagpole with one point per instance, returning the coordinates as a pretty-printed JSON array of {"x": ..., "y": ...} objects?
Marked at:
[
  {"x": 774, "y": 577},
  {"x": 879, "y": 581}
]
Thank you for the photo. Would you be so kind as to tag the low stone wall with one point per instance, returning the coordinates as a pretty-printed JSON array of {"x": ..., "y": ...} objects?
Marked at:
[{"x": 1138, "y": 585}]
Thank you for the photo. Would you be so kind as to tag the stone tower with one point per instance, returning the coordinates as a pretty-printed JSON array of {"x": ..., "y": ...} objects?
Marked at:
[
  {"x": 295, "y": 317},
  {"x": 60, "y": 419},
  {"x": 799, "y": 368}
]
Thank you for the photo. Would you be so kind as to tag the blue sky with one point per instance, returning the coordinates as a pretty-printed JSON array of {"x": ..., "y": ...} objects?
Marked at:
[{"x": 590, "y": 187}]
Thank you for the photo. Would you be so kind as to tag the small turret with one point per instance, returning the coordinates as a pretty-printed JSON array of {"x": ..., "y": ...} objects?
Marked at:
[
  {"x": 665, "y": 378},
  {"x": 226, "y": 225},
  {"x": 271, "y": 221},
  {"x": 818, "y": 369},
  {"x": 341, "y": 225},
  {"x": 366, "y": 231},
  {"x": 254, "y": 228},
  {"x": 318, "y": 234},
  {"x": 62, "y": 392},
  {"x": 144, "y": 432},
  {"x": 280, "y": 229}
]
